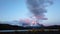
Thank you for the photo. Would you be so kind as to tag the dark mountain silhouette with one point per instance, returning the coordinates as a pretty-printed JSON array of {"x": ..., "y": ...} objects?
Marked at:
[
  {"x": 53, "y": 27},
  {"x": 9, "y": 27},
  {"x": 13, "y": 27}
]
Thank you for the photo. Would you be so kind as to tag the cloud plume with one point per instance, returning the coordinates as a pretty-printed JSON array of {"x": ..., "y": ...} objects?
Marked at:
[{"x": 38, "y": 7}]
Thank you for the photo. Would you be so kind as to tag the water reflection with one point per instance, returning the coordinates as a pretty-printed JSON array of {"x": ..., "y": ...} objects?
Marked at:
[{"x": 11, "y": 30}]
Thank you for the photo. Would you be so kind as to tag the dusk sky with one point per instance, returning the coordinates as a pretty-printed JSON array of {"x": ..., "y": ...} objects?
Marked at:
[{"x": 15, "y": 9}]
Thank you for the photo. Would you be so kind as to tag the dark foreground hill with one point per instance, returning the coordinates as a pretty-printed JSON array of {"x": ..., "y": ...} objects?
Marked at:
[{"x": 11, "y": 27}]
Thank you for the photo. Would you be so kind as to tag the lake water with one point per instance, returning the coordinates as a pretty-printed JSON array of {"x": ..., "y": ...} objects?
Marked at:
[{"x": 12, "y": 30}]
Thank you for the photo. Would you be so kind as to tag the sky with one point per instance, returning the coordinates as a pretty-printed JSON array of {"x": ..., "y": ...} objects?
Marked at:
[{"x": 15, "y": 9}]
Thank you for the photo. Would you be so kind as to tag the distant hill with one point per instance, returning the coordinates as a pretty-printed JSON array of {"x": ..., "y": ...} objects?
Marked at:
[
  {"x": 53, "y": 27},
  {"x": 13, "y": 27},
  {"x": 9, "y": 27}
]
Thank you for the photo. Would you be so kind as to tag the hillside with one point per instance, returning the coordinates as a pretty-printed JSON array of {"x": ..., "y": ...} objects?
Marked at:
[{"x": 11, "y": 27}]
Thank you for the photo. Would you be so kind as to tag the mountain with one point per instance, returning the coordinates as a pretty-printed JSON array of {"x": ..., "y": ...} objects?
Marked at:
[
  {"x": 53, "y": 27},
  {"x": 14, "y": 27}
]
